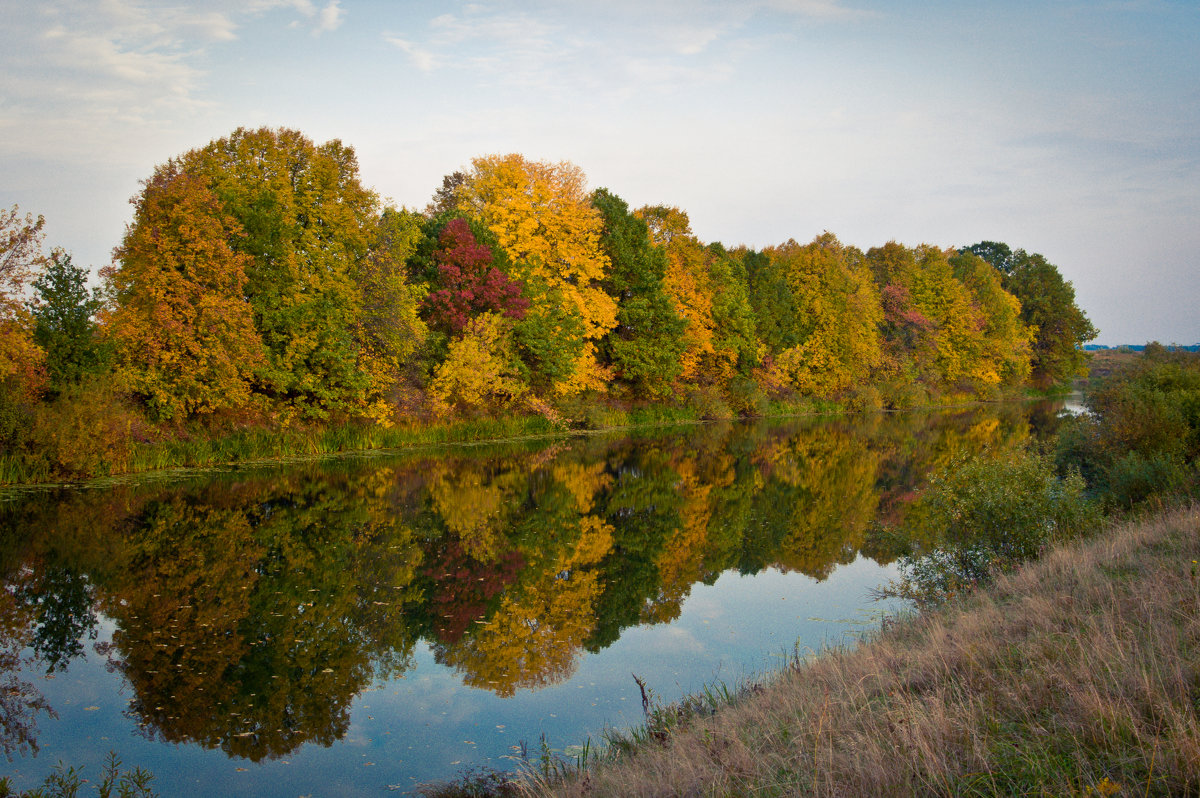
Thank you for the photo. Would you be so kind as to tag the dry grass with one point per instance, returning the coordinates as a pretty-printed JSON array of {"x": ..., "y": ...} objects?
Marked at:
[{"x": 1078, "y": 675}]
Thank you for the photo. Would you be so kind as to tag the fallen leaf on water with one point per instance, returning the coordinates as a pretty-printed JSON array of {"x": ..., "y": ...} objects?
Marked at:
[{"x": 89, "y": 709}]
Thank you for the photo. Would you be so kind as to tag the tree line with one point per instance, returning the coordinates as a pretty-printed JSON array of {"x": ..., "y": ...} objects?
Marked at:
[{"x": 260, "y": 282}]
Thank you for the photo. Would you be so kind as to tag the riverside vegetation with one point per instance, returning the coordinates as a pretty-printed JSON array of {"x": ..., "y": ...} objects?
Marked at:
[
  {"x": 1055, "y": 654},
  {"x": 264, "y": 303}
]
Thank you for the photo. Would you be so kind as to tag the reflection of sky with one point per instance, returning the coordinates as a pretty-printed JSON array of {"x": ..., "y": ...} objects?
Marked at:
[{"x": 426, "y": 724}]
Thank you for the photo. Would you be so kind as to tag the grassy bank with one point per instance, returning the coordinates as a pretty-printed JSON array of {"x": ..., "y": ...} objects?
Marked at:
[
  {"x": 106, "y": 439},
  {"x": 84, "y": 453},
  {"x": 1079, "y": 674},
  {"x": 93, "y": 444}
]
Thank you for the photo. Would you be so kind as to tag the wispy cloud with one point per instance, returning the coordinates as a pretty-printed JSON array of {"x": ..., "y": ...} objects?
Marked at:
[
  {"x": 330, "y": 17},
  {"x": 424, "y": 60},
  {"x": 75, "y": 74},
  {"x": 817, "y": 9}
]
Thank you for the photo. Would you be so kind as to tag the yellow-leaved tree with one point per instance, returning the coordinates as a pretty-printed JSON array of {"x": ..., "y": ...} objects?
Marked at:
[
  {"x": 544, "y": 220},
  {"x": 837, "y": 306},
  {"x": 480, "y": 372}
]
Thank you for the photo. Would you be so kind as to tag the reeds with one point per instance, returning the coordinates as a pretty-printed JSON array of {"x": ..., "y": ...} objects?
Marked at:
[{"x": 1078, "y": 674}]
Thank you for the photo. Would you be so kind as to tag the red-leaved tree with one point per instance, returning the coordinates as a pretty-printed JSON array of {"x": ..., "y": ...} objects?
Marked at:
[{"x": 471, "y": 283}]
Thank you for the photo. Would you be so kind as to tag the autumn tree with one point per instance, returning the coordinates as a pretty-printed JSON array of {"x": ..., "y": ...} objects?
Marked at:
[
  {"x": 645, "y": 347},
  {"x": 22, "y": 361},
  {"x": 388, "y": 328},
  {"x": 686, "y": 281},
  {"x": 1048, "y": 306},
  {"x": 180, "y": 320},
  {"x": 1007, "y": 340},
  {"x": 469, "y": 282},
  {"x": 838, "y": 310},
  {"x": 544, "y": 221},
  {"x": 938, "y": 327},
  {"x": 481, "y": 371}
]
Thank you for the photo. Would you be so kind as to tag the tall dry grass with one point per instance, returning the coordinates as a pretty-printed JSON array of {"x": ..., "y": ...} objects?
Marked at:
[{"x": 1077, "y": 675}]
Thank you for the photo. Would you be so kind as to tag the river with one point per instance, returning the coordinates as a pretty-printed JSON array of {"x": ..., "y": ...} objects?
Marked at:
[{"x": 365, "y": 624}]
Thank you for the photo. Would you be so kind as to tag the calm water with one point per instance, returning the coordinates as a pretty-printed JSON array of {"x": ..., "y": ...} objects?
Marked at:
[{"x": 364, "y": 625}]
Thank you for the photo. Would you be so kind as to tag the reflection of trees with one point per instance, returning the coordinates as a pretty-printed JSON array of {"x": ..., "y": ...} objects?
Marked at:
[
  {"x": 251, "y": 611},
  {"x": 830, "y": 479},
  {"x": 61, "y": 599},
  {"x": 643, "y": 509},
  {"x": 20, "y": 700},
  {"x": 534, "y": 634},
  {"x": 249, "y": 622}
]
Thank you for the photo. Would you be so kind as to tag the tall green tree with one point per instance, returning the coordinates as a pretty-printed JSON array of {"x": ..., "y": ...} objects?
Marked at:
[
  {"x": 735, "y": 339},
  {"x": 645, "y": 347},
  {"x": 64, "y": 323},
  {"x": 775, "y": 314},
  {"x": 1048, "y": 306}
]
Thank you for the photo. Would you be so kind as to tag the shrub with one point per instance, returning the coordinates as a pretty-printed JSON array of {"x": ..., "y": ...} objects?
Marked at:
[
  {"x": 708, "y": 403},
  {"x": 746, "y": 398},
  {"x": 1136, "y": 478},
  {"x": 988, "y": 514},
  {"x": 89, "y": 430}
]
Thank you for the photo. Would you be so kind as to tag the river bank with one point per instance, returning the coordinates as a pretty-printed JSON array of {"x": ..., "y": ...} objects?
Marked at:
[
  {"x": 99, "y": 444},
  {"x": 1075, "y": 675}
]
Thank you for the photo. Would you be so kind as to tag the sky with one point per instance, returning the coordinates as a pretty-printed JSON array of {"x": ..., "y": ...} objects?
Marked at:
[{"x": 1066, "y": 128}]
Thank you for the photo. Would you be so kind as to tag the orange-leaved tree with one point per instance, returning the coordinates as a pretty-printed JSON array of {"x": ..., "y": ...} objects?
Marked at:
[
  {"x": 184, "y": 330},
  {"x": 22, "y": 361}
]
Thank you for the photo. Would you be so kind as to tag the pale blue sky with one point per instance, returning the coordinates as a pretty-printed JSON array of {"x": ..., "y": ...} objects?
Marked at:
[{"x": 1067, "y": 128}]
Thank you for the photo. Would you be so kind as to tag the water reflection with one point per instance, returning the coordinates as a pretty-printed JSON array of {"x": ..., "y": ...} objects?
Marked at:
[{"x": 250, "y": 610}]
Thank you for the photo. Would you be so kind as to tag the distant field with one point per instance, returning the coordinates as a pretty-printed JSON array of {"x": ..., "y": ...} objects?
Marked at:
[{"x": 1109, "y": 361}]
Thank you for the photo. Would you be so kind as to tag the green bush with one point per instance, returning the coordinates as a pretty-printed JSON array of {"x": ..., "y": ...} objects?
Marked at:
[
  {"x": 1137, "y": 478},
  {"x": 708, "y": 403},
  {"x": 990, "y": 513},
  {"x": 746, "y": 398}
]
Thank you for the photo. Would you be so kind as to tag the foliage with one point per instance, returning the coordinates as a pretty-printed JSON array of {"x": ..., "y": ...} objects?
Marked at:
[
  {"x": 545, "y": 223},
  {"x": 686, "y": 283},
  {"x": 839, "y": 305},
  {"x": 1007, "y": 340},
  {"x": 180, "y": 321},
  {"x": 308, "y": 226},
  {"x": 22, "y": 361},
  {"x": 1047, "y": 307},
  {"x": 989, "y": 514},
  {"x": 89, "y": 429},
  {"x": 261, "y": 285},
  {"x": 646, "y": 345},
  {"x": 1141, "y": 439},
  {"x": 470, "y": 282},
  {"x": 735, "y": 339},
  {"x": 937, "y": 325},
  {"x": 387, "y": 326},
  {"x": 64, "y": 324},
  {"x": 481, "y": 371}
]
